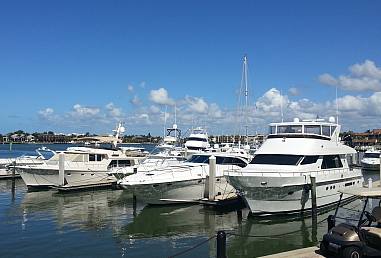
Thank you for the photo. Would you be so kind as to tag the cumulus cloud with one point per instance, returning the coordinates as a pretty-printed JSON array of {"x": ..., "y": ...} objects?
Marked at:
[
  {"x": 293, "y": 91},
  {"x": 362, "y": 77},
  {"x": 136, "y": 101},
  {"x": 114, "y": 111},
  {"x": 130, "y": 88},
  {"x": 80, "y": 111},
  {"x": 46, "y": 113},
  {"x": 197, "y": 104},
  {"x": 161, "y": 97}
]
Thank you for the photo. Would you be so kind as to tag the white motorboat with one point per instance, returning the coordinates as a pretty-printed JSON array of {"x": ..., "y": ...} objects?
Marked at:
[
  {"x": 151, "y": 162},
  {"x": 6, "y": 164},
  {"x": 278, "y": 179},
  {"x": 184, "y": 182},
  {"x": 83, "y": 166},
  {"x": 371, "y": 160},
  {"x": 171, "y": 139}
]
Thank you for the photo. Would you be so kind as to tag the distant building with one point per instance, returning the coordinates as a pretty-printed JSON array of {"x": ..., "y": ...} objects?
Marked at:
[{"x": 368, "y": 138}]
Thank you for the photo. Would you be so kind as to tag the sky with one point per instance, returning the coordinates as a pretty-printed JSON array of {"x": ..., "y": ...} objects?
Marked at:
[{"x": 82, "y": 66}]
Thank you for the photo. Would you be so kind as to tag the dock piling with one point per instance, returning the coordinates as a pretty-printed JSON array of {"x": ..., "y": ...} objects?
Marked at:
[
  {"x": 313, "y": 196},
  {"x": 221, "y": 244},
  {"x": 212, "y": 177},
  {"x": 13, "y": 180},
  {"x": 61, "y": 173}
]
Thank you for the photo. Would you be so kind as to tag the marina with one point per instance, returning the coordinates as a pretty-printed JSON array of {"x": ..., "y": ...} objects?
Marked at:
[{"x": 112, "y": 223}]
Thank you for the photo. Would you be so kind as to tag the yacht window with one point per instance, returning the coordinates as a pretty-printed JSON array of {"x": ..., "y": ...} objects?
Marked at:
[
  {"x": 312, "y": 129},
  {"x": 309, "y": 160},
  {"x": 124, "y": 163},
  {"x": 331, "y": 161},
  {"x": 199, "y": 159},
  {"x": 276, "y": 159},
  {"x": 326, "y": 130},
  {"x": 290, "y": 129},
  {"x": 239, "y": 162},
  {"x": 272, "y": 130},
  {"x": 197, "y": 139},
  {"x": 91, "y": 157},
  {"x": 372, "y": 155},
  {"x": 113, "y": 163},
  {"x": 194, "y": 148},
  {"x": 333, "y": 128}
]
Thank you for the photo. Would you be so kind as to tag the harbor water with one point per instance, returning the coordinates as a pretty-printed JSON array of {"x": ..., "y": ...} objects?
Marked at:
[{"x": 105, "y": 223}]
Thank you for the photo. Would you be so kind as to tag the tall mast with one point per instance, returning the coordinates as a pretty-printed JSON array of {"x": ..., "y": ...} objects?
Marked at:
[
  {"x": 165, "y": 121},
  {"x": 246, "y": 97}
]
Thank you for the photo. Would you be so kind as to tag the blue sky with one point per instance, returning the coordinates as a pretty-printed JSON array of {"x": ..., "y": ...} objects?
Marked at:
[{"x": 78, "y": 66}]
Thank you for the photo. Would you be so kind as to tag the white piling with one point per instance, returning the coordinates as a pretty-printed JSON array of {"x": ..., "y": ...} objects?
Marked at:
[
  {"x": 370, "y": 183},
  {"x": 186, "y": 152},
  {"x": 61, "y": 165},
  {"x": 212, "y": 177}
]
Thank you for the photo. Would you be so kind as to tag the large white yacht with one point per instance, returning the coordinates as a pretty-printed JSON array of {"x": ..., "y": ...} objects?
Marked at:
[
  {"x": 371, "y": 160},
  {"x": 278, "y": 179},
  {"x": 83, "y": 166},
  {"x": 184, "y": 182},
  {"x": 197, "y": 141},
  {"x": 171, "y": 139}
]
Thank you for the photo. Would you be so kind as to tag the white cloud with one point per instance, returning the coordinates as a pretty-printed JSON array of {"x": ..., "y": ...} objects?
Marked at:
[
  {"x": 136, "y": 101},
  {"x": 80, "y": 111},
  {"x": 130, "y": 88},
  {"x": 362, "y": 77},
  {"x": 197, "y": 104},
  {"x": 161, "y": 97},
  {"x": 154, "y": 109},
  {"x": 114, "y": 111},
  {"x": 293, "y": 91},
  {"x": 47, "y": 112}
]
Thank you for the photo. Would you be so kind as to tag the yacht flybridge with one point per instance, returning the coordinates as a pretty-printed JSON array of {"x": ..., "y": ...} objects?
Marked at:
[{"x": 278, "y": 178}]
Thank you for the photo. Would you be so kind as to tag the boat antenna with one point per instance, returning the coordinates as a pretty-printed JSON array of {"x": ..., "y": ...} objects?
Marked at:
[
  {"x": 337, "y": 108},
  {"x": 281, "y": 105},
  {"x": 165, "y": 120},
  {"x": 175, "y": 125}
]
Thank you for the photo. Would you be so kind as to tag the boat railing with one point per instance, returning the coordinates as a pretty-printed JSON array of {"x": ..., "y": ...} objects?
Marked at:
[{"x": 290, "y": 173}]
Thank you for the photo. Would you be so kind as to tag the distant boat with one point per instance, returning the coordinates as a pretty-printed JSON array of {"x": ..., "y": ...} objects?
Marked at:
[{"x": 371, "y": 160}]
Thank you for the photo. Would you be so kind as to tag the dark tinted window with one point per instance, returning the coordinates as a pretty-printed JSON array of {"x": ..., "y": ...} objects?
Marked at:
[
  {"x": 372, "y": 155},
  {"x": 197, "y": 139},
  {"x": 91, "y": 157},
  {"x": 276, "y": 159},
  {"x": 124, "y": 163},
  {"x": 309, "y": 160},
  {"x": 331, "y": 161},
  {"x": 199, "y": 159}
]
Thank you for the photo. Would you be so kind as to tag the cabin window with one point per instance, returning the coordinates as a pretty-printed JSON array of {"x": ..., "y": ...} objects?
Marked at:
[
  {"x": 197, "y": 139},
  {"x": 290, "y": 129},
  {"x": 309, "y": 160},
  {"x": 276, "y": 159},
  {"x": 272, "y": 130},
  {"x": 312, "y": 129},
  {"x": 91, "y": 157},
  {"x": 239, "y": 162},
  {"x": 199, "y": 159},
  {"x": 331, "y": 161},
  {"x": 372, "y": 155},
  {"x": 333, "y": 128},
  {"x": 124, "y": 163},
  {"x": 326, "y": 130}
]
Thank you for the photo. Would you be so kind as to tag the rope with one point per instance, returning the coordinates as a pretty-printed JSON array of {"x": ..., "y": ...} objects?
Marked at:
[{"x": 193, "y": 247}]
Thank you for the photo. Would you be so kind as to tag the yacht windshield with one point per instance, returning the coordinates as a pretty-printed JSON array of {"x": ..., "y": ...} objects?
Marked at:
[
  {"x": 372, "y": 155},
  {"x": 197, "y": 139},
  {"x": 199, "y": 159},
  {"x": 276, "y": 159}
]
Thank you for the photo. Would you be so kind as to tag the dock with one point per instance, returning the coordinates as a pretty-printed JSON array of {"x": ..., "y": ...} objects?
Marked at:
[
  {"x": 309, "y": 252},
  {"x": 79, "y": 187}
]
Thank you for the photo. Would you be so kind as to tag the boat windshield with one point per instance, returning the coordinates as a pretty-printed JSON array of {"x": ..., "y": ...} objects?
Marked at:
[
  {"x": 199, "y": 159},
  {"x": 197, "y": 139},
  {"x": 276, "y": 159},
  {"x": 372, "y": 155},
  {"x": 221, "y": 160}
]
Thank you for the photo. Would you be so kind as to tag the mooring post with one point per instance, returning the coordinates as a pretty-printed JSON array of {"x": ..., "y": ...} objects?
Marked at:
[
  {"x": 221, "y": 244},
  {"x": 13, "y": 180},
  {"x": 313, "y": 196},
  {"x": 186, "y": 152},
  {"x": 212, "y": 177},
  {"x": 10, "y": 146},
  {"x": 134, "y": 204},
  {"x": 61, "y": 173},
  {"x": 370, "y": 183}
]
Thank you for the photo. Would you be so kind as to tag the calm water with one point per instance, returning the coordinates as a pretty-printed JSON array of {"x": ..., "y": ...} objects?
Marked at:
[{"x": 105, "y": 224}]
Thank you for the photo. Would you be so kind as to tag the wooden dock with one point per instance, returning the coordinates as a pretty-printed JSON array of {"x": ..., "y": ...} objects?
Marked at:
[
  {"x": 309, "y": 252},
  {"x": 72, "y": 188}
]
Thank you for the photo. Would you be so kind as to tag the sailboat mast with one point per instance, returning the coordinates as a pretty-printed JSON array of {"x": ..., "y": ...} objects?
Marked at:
[{"x": 246, "y": 98}]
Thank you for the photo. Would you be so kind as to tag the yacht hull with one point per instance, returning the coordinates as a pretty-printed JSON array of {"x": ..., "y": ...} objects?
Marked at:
[
  {"x": 280, "y": 196},
  {"x": 187, "y": 191},
  {"x": 44, "y": 178},
  {"x": 370, "y": 166}
]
